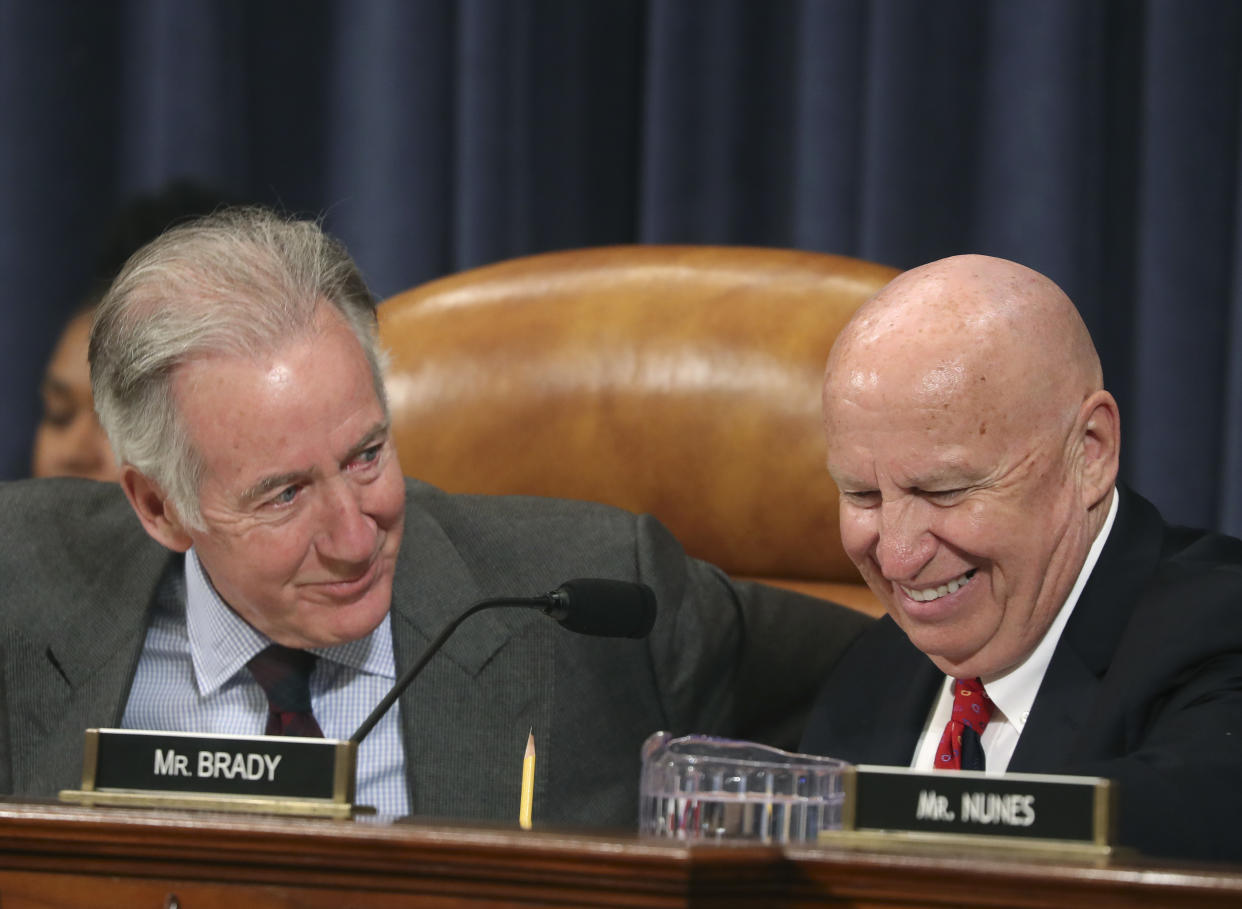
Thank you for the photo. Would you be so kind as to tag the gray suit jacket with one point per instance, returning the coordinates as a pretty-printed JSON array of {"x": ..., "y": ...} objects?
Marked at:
[{"x": 78, "y": 575}]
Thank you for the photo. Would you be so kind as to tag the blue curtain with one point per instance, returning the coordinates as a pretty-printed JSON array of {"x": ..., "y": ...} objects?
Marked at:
[{"x": 1094, "y": 140}]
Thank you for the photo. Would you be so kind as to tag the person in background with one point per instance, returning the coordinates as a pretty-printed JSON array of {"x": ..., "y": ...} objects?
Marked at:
[
  {"x": 68, "y": 441},
  {"x": 975, "y": 449}
]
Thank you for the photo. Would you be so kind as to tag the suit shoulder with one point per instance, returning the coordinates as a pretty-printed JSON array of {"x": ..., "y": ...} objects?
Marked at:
[
  {"x": 64, "y": 505},
  {"x": 49, "y": 520},
  {"x": 881, "y": 644},
  {"x": 1149, "y": 565},
  {"x": 464, "y": 511},
  {"x": 1200, "y": 561},
  {"x": 544, "y": 536},
  {"x": 1193, "y": 546},
  {"x": 1187, "y": 608}
]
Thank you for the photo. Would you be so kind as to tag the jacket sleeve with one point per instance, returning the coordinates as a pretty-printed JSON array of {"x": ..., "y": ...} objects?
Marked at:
[{"x": 733, "y": 658}]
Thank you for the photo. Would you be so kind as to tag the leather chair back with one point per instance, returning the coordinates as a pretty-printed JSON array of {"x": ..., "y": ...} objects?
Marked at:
[{"x": 683, "y": 381}]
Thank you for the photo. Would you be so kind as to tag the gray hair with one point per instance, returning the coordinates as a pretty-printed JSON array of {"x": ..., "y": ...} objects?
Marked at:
[{"x": 240, "y": 282}]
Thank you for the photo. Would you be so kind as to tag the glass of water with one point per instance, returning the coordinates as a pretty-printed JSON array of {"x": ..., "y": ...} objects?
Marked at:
[{"x": 698, "y": 787}]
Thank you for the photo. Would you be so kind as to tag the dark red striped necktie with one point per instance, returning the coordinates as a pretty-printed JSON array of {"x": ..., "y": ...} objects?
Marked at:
[{"x": 284, "y": 675}]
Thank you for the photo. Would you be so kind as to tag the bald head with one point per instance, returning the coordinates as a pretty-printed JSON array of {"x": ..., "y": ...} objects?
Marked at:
[
  {"x": 975, "y": 450},
  {"x": 967, "y": 321}
]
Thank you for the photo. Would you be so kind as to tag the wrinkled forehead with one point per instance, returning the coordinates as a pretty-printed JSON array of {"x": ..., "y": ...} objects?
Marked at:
[
  {"x": 934, "y": 369},
  {"x": 924, "y": 422}
]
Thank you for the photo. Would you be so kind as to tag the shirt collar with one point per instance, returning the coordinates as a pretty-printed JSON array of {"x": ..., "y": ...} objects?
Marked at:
[
  {"x": 1014, "y": 692},
  {"x": 222, "y": 642}
]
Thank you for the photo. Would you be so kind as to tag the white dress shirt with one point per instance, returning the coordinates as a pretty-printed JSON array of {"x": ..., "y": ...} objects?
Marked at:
[
  {"x": 192, "y": 677},
  {"x": 1013, "y": 693}
]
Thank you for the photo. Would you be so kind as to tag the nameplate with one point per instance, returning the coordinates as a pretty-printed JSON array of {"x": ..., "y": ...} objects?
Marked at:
[
  {"x": 1017, "y": 809},
  {"x": 271, "y": 774}
]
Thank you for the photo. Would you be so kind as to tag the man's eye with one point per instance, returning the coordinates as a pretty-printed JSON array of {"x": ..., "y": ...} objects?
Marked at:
[
  {"x": 369, "y": 455},
  {"x": 945, "y": 496},
  {"x": 285, "y": 496},
  {"x": 865, "y": 498}
]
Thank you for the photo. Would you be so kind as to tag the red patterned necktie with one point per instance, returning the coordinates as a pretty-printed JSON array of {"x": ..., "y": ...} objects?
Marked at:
[
  {"x": 960, "y": 748},
  {"x": 284, "y": 675}
]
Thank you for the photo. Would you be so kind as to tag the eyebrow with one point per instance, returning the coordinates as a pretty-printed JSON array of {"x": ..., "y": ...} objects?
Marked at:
[
  {"x": 946, "y": 479},
  {"x": 267, "y": 485},
  {"x": 270, "y": 484},
  {"x": 373, "y": 435},
  {"x": 951, "y": 475}
]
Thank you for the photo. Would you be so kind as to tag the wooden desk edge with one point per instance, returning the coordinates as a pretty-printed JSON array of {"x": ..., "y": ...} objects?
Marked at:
[{"x": 438, "y": 858}]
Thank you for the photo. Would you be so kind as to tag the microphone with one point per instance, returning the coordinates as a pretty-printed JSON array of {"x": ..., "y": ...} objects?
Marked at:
[
  {"x": 594, "y": 606},
  {"x": 604, "y": 608}
]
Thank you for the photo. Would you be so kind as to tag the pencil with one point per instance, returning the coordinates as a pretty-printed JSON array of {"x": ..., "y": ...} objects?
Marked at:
[{"x": 528, "y": 782}]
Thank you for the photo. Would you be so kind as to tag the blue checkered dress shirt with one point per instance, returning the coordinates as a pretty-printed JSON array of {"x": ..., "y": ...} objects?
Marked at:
[{"x": 192, "y": 677}]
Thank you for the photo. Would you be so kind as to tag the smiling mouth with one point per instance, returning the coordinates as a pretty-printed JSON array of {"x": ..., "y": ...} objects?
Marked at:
[
  {"x": 934, "y": 593},
  {"x": 361, "y": 578}
]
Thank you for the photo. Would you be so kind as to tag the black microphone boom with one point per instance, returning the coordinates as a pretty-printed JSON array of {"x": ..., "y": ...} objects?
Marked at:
[{"x": 595, "y": 606}]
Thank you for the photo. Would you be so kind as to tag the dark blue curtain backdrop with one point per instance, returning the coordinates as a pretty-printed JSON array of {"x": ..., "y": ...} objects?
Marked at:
[{"x": 1094, "y": 140}]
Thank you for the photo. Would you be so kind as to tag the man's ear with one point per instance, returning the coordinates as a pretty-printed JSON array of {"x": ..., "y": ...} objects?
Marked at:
[
  {"x": 156, "y": 513},
  {"x": 1101, "y": 445}
]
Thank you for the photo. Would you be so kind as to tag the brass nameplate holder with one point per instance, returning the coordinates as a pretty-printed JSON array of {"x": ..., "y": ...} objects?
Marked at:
[
  {"x": 1033, "y": 812},
  {"x": 250, "y": 773}
]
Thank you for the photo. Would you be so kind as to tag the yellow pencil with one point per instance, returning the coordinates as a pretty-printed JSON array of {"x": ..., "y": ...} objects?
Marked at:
[{"x": 528, "y": 782}]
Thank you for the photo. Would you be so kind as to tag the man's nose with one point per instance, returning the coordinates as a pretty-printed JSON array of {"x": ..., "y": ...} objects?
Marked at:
[
  {"x": 349, "y": 534},
  {"x": 905, "y": 543}
]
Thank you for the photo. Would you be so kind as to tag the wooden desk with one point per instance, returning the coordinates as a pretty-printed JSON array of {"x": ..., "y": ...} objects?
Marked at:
[{"x": 54, "y": 855}]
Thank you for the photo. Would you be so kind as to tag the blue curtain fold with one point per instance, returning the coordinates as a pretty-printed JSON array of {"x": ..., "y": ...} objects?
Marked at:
[{"x": 1095, "y": 140}]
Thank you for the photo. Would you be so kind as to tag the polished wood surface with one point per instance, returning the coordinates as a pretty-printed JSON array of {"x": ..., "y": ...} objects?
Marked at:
[
  {"x": 680, "y": 381},
  {"x": 54, "y": 855}
]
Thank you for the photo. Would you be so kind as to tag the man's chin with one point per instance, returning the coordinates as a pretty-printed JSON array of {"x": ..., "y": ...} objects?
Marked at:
[
  {"x": 948, "y": 651},
  {"x": 342, "y": 623},
  {"x": 966, "y": 662}
]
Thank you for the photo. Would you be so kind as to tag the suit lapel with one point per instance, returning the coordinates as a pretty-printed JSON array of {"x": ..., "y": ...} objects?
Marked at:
[
  {"x": 1057, "y": 715},
  {"x": 913, "y": 686},
  {"x": 77, "y": 675},
  {"x": 1058, "y": 730},
  {"x": 431, "y": 588}
]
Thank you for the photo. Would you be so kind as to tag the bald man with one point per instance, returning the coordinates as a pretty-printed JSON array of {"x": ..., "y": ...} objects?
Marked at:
[{"x": 976, "y": 454}]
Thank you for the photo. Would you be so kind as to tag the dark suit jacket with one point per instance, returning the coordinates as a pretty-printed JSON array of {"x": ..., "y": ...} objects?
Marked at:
[
  {"x": 1145, "y": 687},
  {"x": 78, "y": 573}
]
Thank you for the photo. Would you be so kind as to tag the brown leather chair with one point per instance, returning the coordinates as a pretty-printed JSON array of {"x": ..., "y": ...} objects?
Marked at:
[{"x": 683, "y": 381}]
